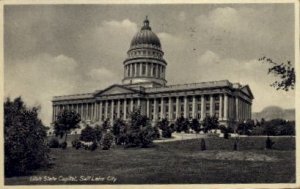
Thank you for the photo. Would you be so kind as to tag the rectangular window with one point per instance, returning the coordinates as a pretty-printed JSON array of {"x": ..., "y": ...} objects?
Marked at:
[{"x": 207, "y": 107}]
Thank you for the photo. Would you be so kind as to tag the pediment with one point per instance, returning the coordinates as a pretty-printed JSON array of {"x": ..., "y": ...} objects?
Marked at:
[
  {"x": 246, "y": 89},
  {"x": 115, "y": 89}
]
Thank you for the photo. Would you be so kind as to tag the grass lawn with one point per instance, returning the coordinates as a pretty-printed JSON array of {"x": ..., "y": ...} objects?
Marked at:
[{"x": 174, "y": 162}]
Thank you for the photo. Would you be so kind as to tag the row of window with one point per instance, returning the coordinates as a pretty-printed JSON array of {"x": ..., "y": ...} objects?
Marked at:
[{"x": 145, "y": 53}]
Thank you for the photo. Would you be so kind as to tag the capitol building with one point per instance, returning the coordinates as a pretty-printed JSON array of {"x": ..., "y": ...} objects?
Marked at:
[{"x": 145, "y": 86}]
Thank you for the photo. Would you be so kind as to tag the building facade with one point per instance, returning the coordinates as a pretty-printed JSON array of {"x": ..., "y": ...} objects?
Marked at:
[{"x": 144, "y": 86}]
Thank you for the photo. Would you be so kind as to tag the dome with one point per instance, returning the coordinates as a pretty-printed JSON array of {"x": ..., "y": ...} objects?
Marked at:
[{"x": 145, "y": 36}]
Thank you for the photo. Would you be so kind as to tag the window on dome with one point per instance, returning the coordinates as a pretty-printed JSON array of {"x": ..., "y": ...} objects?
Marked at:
[{"x": 154, "y": 70}]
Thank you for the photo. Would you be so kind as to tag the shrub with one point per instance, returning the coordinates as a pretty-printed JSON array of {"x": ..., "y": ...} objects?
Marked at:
[
  {"x": 156, "y": 131},
  {"x": 147, "y": 135},
  {"x": 182, "y": 124},
  {"x": 209, "y": 123},
  {"x": 88, "y": 134},
  {"x": 25, "y": 139},
  {"x": 139, "y": 131},
  {"x": 167, "y": 133},
  {"x": 93, "y": 146},
  {"x": 195, "y": 125},
  {"x": 203, "y": 145},
  {"x": 76, "y": 144},
  {"x": 107, "y": 141},
  {"x": 63, "y": 145},
  {"x": 53, "y": 143},
  {"x": 269, "y": 143},
  {"x": 166, "y": 129}
]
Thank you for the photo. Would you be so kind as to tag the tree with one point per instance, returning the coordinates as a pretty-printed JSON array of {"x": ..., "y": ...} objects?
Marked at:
[
  {"x": 25, "y": 139},
  {"x": 210, "y": 122},
  {"x": 88, "y": 134},
  {"x": 285, "y": 72},
  {"x": 182, "y": 124},
  {"x": 166, "y": 129},
  {"x": 118, "y": 130},
  {"x": 195, "y": 125},
  {"x": 246, "y": 127},
  {"x": 98, "y": 132},
  {"x": 66, "y": 121},
  {"x": 106, "y": 125},
  {"x": 139, "y": 132}
]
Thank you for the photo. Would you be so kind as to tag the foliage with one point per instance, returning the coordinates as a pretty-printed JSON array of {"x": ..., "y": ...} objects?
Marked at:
[
  {"x": 269, "y": 143},
  {"x": 203, "y": 145},
  {"x": 98, "y": 133},
  {"x": 106, "y": 125},
  {"x": 277, "y": 127},
  {"x": 166, "y": 129},
  {"x": 107, "y": 141},
  {"x": 53, "y": 143},
  {"x": 66, "y": 121},
  {"x": 285, "y": 72},
  {"x": 25, "y": 142},
  {"x": 245, "y": 128},
  {"x": 195, "y": 125},
  {"x": 225, "y": 131},
  {"x": 94, "y": 146},
  {"x": 119, "y": 130},
  {"x": 209, "y": 123},
  {"x": 139, "y": 132},
  {"x": 147, "y": 135},
  {"x": 156, "y": 132},
  {"x": 182, "y": 124},
  {"x": 76, "y": 144},
  {"x": 63, "y": 145},
  {"x": 88, "y": 134}
]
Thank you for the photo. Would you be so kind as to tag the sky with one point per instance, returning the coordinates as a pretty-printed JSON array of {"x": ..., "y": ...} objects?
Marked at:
[{"x": 52, "y": 50}]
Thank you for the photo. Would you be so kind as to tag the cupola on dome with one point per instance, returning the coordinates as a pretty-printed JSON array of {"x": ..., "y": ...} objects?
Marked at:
[{"x": 145, "y": 36}]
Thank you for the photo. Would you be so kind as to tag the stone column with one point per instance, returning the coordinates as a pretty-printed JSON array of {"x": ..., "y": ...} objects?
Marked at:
[
  {"x": 118, "y": 109},
  {"x": 202, "y": 107},
  {"x": 135, "y": 69},
  {"x": 53, "y": 113},
  {"x": 211, "y": 103},
  {"x": 170, "y": 109},
  {"x": 155, "y": 110},
  {"x": 141, "y": 69},
  {"x": 225, "y": 107},
  {"x": 146, "y": 64},
  {"x": 177, "y": 107},
  {"x": 220, "y": 107},
  {"x": 112, "y": 106},
  {"x": 162, "y": 108},
  {"x": 139, "y": 103},
  {"x": 185, "y": 107},
  {"x": 106, "y": 109},
  {"x": 131, "y": 104},
  {"x": 194, "y": 107},
  {"x": 125, "y": 109},
  {"x": 100, "y": 111},
  {"x": 237, "y": 113},
  {"x": 148, "y": 108}
]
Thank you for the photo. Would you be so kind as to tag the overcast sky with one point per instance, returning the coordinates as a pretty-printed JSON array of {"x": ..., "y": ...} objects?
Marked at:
[{"x": 65, "y": 49}]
